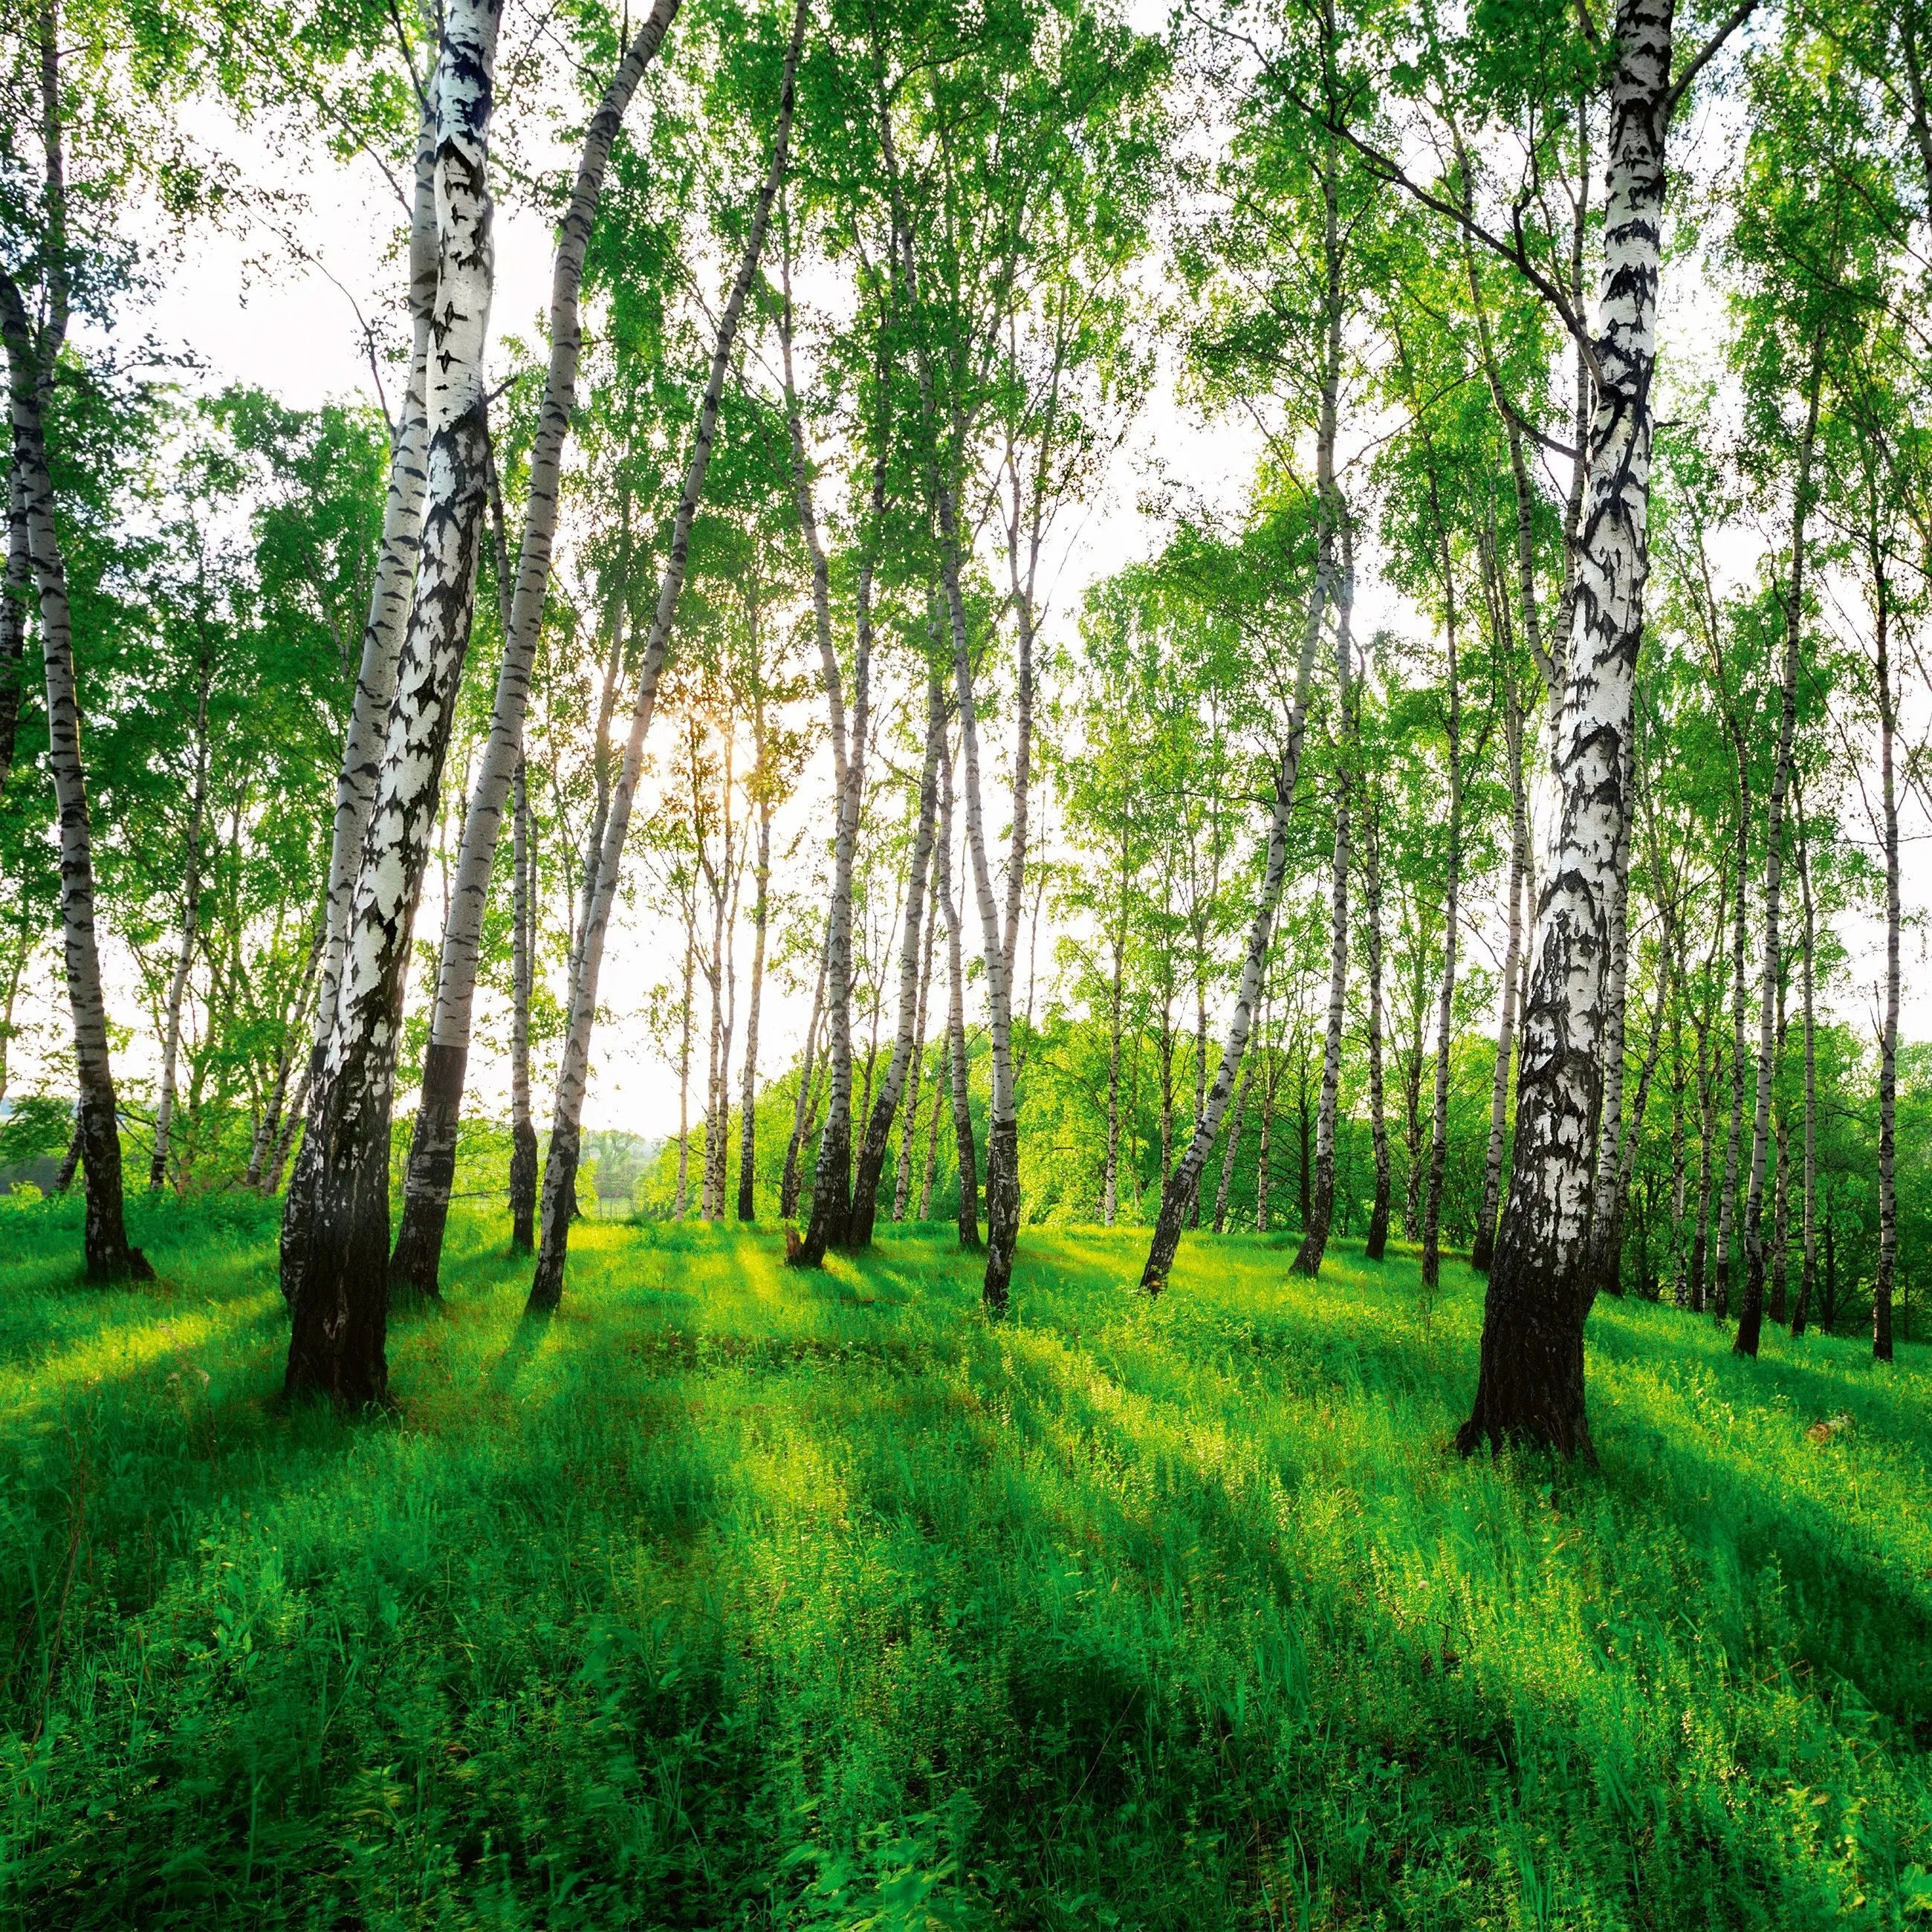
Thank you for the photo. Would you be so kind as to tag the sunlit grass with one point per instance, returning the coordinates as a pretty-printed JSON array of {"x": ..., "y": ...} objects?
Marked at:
[{"x": 731, "y": 1596}]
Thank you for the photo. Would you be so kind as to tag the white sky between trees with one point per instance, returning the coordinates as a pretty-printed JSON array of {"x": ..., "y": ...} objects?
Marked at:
[{"x": 297, "y": 336}]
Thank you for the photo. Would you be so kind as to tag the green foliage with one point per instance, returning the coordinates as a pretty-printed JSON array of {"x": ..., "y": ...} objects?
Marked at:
[{"x": 744, "y": 1598}]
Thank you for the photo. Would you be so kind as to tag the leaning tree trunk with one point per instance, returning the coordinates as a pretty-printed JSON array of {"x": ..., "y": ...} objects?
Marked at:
[
  {"x": 885, "y": 1105},
  {"x": 1322, "y": 1204},
  {"x": 432, "y": 1164},
  {"x": 1530, "y": 1382},
  {"x": 189, "y": 933},
  {"x": 1376, "y": 1244},
  {"x": 1750, "y": 1316},
  {"x": 560, "y": 1172},
  {"x": 340, "y": 1303},
  {"x": 1229, "y": 1150},
  {"x": 1178, "y": 1194},
  {"x": 390, "y": 596},
  {"x": 111, "y": 1256}
]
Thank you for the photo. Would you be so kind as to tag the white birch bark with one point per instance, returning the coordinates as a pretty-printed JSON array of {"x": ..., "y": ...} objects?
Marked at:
[
  {"x": 432, "y": 1164},
  {"x": 187, "y": 936},
  {"x": 339, "y": 1293},
  {"x": 1750, "y": 1315},
  {"x": 390, "y": 593},
  {"x": 905, "y": 1042},
  {"x": 1178, "y": 1196},
  {"x": 788, "y": 1181},
  {"x": 965, "y": 1152},
  {"x": 832, "y": 1180},
  {"x": 1376, "y": 1243},
  {"x": 1322, "y": 1204},
  {"x": 1530, "y": 1383},
  {"x": 761, "y": 879},
  {"x": 560, "y": 1171}
]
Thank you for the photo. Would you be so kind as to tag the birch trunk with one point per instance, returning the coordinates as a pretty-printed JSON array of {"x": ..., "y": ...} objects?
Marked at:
[
  {"x": 1719, "y": 1297},
  {"x": 956, "y": 1024},
  {"x": 1178, "y": 1196},
  {"x": 1322, "y": 1204},
  {"x": 523, "y": 948},
  {"x": 1888, "y": 1060},
  {"x": 902, "y": 1179},
  {"x": 1483, "y": 1248},
  {"x": 1680, "y": 1277},
  {"x": 1750, "y": 1317},
  {"x": 1601, "y": 1260},
  {"x": 831, "y": 1179},
  {"x": 1376, "y": 1245},
  {"x": 268, "y": 1133},
  {"x": 1002, "y": 1184},
  {"x": 340, "y": 1293},
  {"x": 1227, "y": 1153},
  {"x": 390, "y": 598},
  {"x": 432, "y": 1164},
  {"x": 186, "y": 939},
  {"x": 14, "y": 618},
  {"x": 932, "y": 1169},
  {"x": 1530, "y": 1382},
  {"x": 1807, "y": 1274},
  {"x": 110, "y": 1255},
  {"x": 788, "y": 1181},
  {"x": 560, "y": 1171},
  {"x": 682, "y": 1200},
  {"x": 879, "y": 1126},
  {"x": 761, "y": 878},
  {"x": 1110, "y": 1172},
  {"x": 1445, "y": 1004}
]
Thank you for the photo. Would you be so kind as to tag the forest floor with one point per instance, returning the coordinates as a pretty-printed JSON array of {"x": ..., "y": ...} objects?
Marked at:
[{"x": 730, "y": 1597}]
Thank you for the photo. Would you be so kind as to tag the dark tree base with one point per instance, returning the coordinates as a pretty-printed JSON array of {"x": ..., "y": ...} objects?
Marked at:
[
  {"x": 338, "y": 1340},
  {"x": 1482, "y": 1248},
  {"x": 1002, "y": 1213},
  {"x": 1750, "y": 1316},
  {"x": 559, "y": 1197},
  {"x": 831, "y": 1198},
  {"x": 415, "y": 1267},
  {"x": 1314, "y": 1233},
  {"x": 1376, "y": 1246},
  {"x": 1529, "y": 1388},
  {"x": 523, "y": 1187},
  {"x": 864, "y": 1211},
  {"x": 111, "y": 1256}
]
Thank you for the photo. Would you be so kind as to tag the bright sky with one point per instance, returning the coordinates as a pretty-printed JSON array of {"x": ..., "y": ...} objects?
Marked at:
[{"x": 297, "y": 334}]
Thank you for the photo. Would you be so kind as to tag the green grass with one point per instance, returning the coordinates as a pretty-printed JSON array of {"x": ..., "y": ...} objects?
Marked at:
[{"x": 733, "y": 1597}]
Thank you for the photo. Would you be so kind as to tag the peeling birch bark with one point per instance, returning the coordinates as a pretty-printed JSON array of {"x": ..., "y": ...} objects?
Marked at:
[
  {"x": 1530, "y": 1382},
  {"x": 340, "y": 1295},
  {"x": 432, "y": 1164}
]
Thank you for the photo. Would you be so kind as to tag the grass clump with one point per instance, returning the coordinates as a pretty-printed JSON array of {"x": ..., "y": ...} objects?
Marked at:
[{"x": 731, "y": 1596}]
